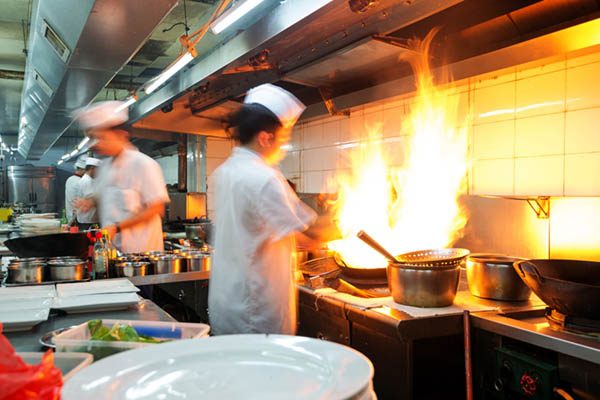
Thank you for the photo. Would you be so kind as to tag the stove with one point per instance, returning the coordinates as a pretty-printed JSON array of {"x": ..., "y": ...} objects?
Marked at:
[{"x": 531, "y": 352}]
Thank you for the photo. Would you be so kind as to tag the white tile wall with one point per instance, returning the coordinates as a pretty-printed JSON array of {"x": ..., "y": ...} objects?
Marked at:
[{"x": 530, "y": 128}]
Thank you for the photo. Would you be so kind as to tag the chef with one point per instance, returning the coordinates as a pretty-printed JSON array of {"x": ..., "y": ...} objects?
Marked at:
[
  {"x": 258, "y": 219},
  {"x": 72, "y": 187},
  {"x": 130, "y": 190},
  {"x": 86, "y": 190}
]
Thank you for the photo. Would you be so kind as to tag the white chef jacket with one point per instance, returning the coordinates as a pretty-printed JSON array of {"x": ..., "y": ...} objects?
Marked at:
[
  {"x": 71, "y": 193},
  {"x": 86, "y": 190},
  {"x": 124, "y": 186},
  {"x": 252, "y": 278}
]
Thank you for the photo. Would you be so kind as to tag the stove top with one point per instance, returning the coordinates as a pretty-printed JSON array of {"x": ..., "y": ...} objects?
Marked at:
[{"x": 545, "y": 328}]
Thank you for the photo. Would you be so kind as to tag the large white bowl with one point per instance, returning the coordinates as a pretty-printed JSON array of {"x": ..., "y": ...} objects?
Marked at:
[{"x": 228, "y": 367}]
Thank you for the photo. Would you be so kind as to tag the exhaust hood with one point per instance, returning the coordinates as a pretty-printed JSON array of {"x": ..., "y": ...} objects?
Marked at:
[{"x": 76, "y": 47}]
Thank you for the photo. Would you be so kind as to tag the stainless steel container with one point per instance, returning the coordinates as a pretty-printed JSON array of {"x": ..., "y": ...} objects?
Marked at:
[
  {"x": 492, "y": 276},
  {"x": 421, "y": 286},
  {"x": 28, "y": 270},
  {"x": 129, "y": 269},
  {"x": 168, "y": 264},
  {"x": 198, "y": 261},
  {"x": 67, "y": 270}
]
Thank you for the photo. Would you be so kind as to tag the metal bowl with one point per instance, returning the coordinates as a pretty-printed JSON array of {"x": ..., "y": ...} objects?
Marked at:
[
  {"x": 67, "y": 270},
  {"x": 419, "y": 286},
  {"x": 26, "y": 271},
  {"x": 129, "y": 269},
  {"x": 198, "y": 262},
  {"x": 168, "y": 264}
]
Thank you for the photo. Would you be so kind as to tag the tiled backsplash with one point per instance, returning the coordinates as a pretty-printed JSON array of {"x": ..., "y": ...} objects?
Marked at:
[{"x": 534, "y": 132}]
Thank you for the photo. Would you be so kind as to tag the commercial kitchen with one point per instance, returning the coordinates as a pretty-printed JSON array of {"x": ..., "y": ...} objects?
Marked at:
[{"x": 450, "y": 149}]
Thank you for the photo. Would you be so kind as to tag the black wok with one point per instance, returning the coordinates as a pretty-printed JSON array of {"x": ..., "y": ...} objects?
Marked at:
[
  {"x": 570, "y": 287},
  {"x": 53, "y": 245}
]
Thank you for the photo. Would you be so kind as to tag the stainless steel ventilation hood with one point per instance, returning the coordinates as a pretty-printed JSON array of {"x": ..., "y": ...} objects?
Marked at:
[{"x": 75, "y": 48}]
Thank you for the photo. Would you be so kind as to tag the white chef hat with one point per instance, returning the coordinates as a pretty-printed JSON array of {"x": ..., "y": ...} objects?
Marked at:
[
  {"x": 286, "y": 107},
  {"x": 91, "y": 161},
  {"x": 80, "y": 163},
  {"x": 103, "y": 114}
]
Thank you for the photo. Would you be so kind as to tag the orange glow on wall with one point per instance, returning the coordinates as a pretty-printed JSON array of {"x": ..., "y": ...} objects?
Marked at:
[{"x": 575, "y": 228}]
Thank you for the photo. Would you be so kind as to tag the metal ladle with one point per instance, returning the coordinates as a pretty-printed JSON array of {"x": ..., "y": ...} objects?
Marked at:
[{"x": 365, "y": 237}]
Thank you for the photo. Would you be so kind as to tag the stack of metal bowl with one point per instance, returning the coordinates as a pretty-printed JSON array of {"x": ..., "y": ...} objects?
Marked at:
[
  {"x": 26, "y": 270},
  {"x": 198, "y": 261},
  {"x": 130, "y": 265},
  {"x": 67, "y": 269}
]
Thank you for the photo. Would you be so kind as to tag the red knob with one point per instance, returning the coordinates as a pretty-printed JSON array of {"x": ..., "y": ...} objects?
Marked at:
[{"x": 528, "y": 384}]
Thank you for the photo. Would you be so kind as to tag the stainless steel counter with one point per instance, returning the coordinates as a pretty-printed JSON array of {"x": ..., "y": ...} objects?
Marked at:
[
  {"x": 170, "y": 278},
  {"x": 29, "y": 340}
]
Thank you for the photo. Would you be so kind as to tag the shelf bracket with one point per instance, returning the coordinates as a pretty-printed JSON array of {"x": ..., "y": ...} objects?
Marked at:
[
  {"x": 540, "y": 206},
  {"x": 331, "y": 109}
]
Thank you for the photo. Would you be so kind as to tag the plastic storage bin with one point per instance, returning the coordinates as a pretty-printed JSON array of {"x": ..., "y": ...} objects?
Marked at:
[
  {"x": 68, "y": 363},
  {"x": 78, "y": 338}
]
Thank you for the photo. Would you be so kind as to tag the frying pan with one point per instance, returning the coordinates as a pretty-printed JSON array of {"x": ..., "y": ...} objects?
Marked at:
[
  {"x": 54, "y": 245},
  {"x": 571, "y": 287}
]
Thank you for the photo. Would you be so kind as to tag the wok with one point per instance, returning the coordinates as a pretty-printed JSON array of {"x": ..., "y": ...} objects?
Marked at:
[
  {"x": 54, "y": 245},
  {"x": 571, "y": 287}
]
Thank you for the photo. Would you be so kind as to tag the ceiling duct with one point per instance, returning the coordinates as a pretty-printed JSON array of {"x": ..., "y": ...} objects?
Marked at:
[{"x": 76, "y": 47}]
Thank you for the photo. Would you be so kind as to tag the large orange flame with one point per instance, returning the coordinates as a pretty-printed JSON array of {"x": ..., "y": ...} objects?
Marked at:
[{"x": 414, "y": 206}]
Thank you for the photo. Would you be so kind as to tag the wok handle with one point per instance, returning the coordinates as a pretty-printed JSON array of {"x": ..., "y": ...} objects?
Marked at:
[
  {"x": 365, "y": 237},
  {"x": 529, "y": 269}
]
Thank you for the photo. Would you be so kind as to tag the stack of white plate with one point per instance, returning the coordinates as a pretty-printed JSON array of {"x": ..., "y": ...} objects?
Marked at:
[
  {"x": 101, "y": 295},
  {"x": 265, "y": 367},
  {"x": 38, "y": 226},
  {"x": 21, "y": 308}
]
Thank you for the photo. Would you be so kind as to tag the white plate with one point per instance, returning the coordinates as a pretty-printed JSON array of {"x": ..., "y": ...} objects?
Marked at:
[
  {"x": 26, "y": 292},
  {"x": 22, "y": 320},
  {"x": 264, "y": 367},
  {"x": 96, "y": 287},
  {"x": 95, "y": 302},
  {"x": 25, "y": 304}
]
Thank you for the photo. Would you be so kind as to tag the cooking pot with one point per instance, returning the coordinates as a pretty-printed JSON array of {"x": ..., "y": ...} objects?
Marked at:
[
  {"x": 29, "y": 270},
  {"x": 67, "y": 270},
  {"x": 423, "y": 286},
  {"x": 129, "y": 269},
  {"x": 492, "y": 276}
]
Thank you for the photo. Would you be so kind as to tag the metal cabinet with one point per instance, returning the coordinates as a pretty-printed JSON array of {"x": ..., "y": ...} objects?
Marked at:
[{"x": 32, "y": 186}]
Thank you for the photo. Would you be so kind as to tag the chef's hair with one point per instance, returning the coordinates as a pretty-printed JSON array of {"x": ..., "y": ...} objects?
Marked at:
[{"x": 246, "y": 123}]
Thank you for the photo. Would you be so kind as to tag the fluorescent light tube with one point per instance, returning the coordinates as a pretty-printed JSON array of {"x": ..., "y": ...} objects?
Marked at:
[
  {"x": 127, "y": 103},
  {"x": 83, "y": 142},
  {"x": 73, "y": 153},
  {"x": 237, "y": 11},
  {"x": 169, "y": 72},
  {"x": 59, "y": 162},
  {"x": 65, "y": 156}
]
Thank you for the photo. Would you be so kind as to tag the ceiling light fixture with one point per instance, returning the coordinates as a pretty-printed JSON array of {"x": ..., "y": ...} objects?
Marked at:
[
  {"x": 171, "y": 70},
  {"x": 83, "y": 143},
  {"x": 59, "y": 162},
  {"x": 234, "y": 13}
]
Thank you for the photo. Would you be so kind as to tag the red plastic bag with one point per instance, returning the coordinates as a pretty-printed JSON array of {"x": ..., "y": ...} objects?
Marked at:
[{"x": 20, "y": 381}]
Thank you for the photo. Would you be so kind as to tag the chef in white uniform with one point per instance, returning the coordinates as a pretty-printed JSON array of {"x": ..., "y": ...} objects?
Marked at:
[
  {"x": 257, "y": 222},
  {"x": 87, "y": 190},
  {"x": 130, "y": 190},
  {"x": 72, "y": 187}
]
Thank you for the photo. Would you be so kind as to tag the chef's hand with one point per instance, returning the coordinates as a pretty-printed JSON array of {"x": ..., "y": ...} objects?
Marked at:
[
  {"x": 83, "y": 205},
  {"x": 111, "y": 230}
]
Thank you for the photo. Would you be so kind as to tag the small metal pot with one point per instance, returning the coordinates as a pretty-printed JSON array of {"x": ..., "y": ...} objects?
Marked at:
[
  {"x": 492, "y": 276},
  {"x": 129, "y": 269},
  {"x": 67, "y": 270},
  {"x": 198, "y": 262},
  {"x": 26, "y": 271},
  {"x": 421, "y": 286},
  {"x": 168, "y": 264}
]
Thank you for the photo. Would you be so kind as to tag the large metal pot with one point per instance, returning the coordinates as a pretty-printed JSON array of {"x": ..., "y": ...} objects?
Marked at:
[
  {"x": 492, "y": 276},
  {"x": 129, "y": 269},
  {"x": 168, "y": 264},
  {"x": 67, "y": 270},
  {"x": 423, "y": 286},
  {"x": 29, "y": 270}
]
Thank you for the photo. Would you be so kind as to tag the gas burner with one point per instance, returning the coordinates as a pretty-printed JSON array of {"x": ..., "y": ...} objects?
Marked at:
[{"x": 576, "y": 325}]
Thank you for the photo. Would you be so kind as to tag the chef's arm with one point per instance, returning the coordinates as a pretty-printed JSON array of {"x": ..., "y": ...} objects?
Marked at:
[
  {"x": 322, "y": 231},
  {"x": 145, "y": 215}
]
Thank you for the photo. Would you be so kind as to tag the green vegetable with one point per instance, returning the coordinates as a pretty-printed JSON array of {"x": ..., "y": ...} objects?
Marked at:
[{"x": 122, "y": 333}]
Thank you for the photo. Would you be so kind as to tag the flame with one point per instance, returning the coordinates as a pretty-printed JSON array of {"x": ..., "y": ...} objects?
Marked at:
[{"x": 414, "y": 206}]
